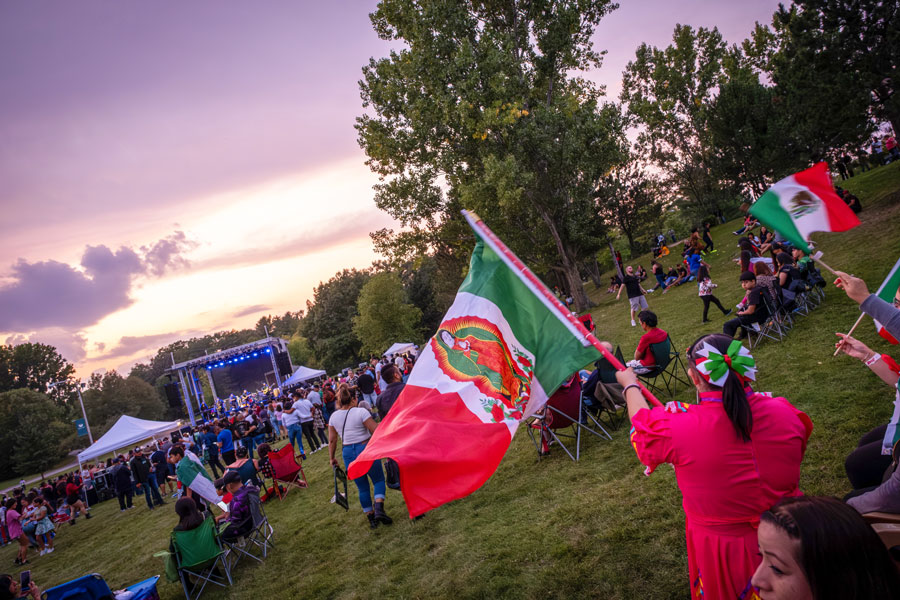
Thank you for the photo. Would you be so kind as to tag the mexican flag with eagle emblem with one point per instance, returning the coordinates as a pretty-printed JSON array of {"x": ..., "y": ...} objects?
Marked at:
[{"x": 504, "y": 346}]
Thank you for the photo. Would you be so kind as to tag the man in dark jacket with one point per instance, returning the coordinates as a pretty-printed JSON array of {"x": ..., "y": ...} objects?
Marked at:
[
  {"x": 394, "y": 379},
  {"x": 122, "y": 483},
  {"x": 144, "y": 473}
]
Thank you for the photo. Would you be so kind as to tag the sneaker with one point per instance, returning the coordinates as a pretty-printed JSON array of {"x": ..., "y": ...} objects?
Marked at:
[
  {"x": 633, "y": 324},
  {"x": 730, "y": 310},
  {"x": 705, "y": 321},
  {"x": 49, "y": 550},
  {"x": 42, "y": 552}
]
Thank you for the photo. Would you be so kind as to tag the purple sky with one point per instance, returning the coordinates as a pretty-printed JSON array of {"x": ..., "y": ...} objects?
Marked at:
[{"x": 139, "y": 137}]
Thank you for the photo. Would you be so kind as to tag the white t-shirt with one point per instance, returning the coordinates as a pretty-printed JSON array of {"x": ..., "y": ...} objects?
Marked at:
[
  {"x": 303, "y": 407},
  {"x": 355, "y": 430},
  {"x": 400, "y": 362},
  {"x": 314, "y": 398},
  {"x": 290, "y": 418}
]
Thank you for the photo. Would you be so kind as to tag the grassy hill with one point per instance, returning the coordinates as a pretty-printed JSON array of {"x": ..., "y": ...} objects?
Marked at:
[{"x": 554, "y": 528}]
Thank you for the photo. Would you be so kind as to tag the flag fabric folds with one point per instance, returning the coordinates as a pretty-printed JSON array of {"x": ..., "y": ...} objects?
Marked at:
[
  {"x": 803, "y": 203},
  {"x": 500, "y": 351},
  {"x": 887, "y": 292},
  {"x": 190, "y": 472}
]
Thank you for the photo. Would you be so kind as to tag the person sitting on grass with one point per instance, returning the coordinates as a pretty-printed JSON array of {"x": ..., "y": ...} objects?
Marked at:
[
  {"x": 10, "y": 589},
  {"x": 815, "y": 547},
  {"x": 754, "y": 310},
  {"x": 659, "y": 274},
  {"x": 695, "y": 261},
  {"x": 644, "y": 361},
  {"x": 238, "y": 515}
]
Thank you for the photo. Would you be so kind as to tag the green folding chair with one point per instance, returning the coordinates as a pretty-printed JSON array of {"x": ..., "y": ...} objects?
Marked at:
[
  {"x": 199, "y": 555},
  {"x": 667, "y": 369}
]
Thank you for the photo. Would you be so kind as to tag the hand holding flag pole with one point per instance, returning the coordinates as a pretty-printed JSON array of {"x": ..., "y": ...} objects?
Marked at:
[{"x": 543, "y": 292}]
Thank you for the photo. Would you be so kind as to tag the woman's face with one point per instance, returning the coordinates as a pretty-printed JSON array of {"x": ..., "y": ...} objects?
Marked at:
[{"x": 779, "y": 576}]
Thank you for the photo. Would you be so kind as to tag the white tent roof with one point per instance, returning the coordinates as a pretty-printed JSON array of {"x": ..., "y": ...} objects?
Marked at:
[
  {"x": 126, "y": 431},
  {"x": 302, "y": 374},
  {"x": 399, "y": 348}
]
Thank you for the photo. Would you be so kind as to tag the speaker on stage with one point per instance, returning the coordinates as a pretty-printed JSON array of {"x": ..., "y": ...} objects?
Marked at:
[
  {"x": 173, "y": 394},
  {"x": 283, "y": 362}
]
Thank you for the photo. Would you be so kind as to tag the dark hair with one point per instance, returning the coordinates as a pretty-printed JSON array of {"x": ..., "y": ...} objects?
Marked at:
[
  {"x": 177, "y": 449},
  {"x": 263, "y": 450},
  {"x": 745, "y": 244},
  {"x": 702, "y": 273},
  {"x": 344, "y": 395},
  {"x": 388, "y": 372},
  {"x": 189, "y": 517},
  {"x": 784, "y": 259},
  {"x": 648, "y": 317},
  {"x": 748, "y": 276},
  {"x": 840, "y": 553},
  {"x": 6, "y": 582},
  {"x": 761, "y": 268},
  {"x": 734, "y": 399},
  {"x": 241, "y": 452}
]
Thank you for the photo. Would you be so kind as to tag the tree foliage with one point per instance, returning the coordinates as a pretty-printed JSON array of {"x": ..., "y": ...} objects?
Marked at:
[
  {"x": 482, "y": 108},
  {"x": 33, "y": 432},
  {"x": 119, "y": 396},
  {"x": 328, "y": 324},
  {"x": 36, "y": 366},
  {"x": 384, "y": 315},
  {"x": 630, "y": 199}
]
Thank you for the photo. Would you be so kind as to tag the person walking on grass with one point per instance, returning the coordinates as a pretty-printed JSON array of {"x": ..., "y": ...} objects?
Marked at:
[
  {"x": 145, "y": 476},
  {"x": 635, "y": 293},
  {"x": 706, "y": 286}
]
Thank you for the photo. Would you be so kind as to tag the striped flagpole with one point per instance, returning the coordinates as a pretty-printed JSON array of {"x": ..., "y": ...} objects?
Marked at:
[{"x": 533, "y": 283}]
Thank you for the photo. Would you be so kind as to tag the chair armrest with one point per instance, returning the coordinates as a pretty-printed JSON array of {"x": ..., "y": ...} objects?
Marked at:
[{"x": 881, "y": 517}]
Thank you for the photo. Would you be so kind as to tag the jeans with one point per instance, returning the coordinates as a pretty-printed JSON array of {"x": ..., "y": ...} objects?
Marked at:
[
  {"x": 323, "y": 436},
  {"x": 743, "y": 321},
  {"x": 376, "y": 474},
  {"x": 295, "y": 432},
  {"x": 151, "y": 487},
  {"x": 661, "y": 279},
  {"x": 29, "y": 528},
  {"x": 309, "y": 432},
  {"x": 370, "y": 398},
  {"x": 252, "y": 442},
  {"x": 123, "y": 496}
]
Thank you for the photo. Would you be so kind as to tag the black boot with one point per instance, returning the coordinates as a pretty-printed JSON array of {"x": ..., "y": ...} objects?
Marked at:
[
  {"x": 380, "y": 515},
  {"x": 373, "y": 523}
]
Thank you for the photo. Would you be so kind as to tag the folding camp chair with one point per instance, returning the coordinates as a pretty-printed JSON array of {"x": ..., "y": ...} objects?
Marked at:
[
  {"x": 287, "y": 470},
  {"x": 89, "y": 587},
  {"x": 259, "y": 536},
  {"x": 667, "y": 368},
  {"x": 199, "y": 554},
  {"x": 564, "y": 409},
  {"x": 608, "y": 392}
]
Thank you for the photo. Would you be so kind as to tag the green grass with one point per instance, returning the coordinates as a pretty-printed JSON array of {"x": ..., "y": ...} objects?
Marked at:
[{"x": 554, "y": 528}]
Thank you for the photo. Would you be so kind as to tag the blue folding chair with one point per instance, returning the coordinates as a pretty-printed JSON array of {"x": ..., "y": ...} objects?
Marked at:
[{"x": 89, "y": 587}]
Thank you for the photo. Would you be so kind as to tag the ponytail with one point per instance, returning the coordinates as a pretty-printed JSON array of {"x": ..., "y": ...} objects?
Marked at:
[
  {"x": 343, "y": 395},
  {"x": 734, "y": 398}
]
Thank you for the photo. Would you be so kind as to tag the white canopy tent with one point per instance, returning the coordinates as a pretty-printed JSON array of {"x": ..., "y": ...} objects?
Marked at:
[
  {"x": 399, "y": 348},
  {"x": 302, "y": 374},
  {"x": 126, "y": 432}
]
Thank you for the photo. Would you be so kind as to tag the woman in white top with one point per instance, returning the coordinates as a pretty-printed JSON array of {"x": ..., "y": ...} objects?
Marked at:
[{"x": 355, "y": 425}]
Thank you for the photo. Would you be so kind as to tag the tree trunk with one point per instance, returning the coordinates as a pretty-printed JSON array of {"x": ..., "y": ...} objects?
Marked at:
[
  {"x": 568, "y": 267},
  {"x": 593, "y": 269}
]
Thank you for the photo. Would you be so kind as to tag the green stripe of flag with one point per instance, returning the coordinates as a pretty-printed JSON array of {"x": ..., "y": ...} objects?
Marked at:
[{"x": 769, "y": 211}]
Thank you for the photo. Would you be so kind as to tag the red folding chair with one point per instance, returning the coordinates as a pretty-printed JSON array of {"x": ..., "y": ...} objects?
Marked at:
[
  {"x": 588, "y": 321},
  {"x": 564, "y": 409},
  {"x": 286, "y": 471}
]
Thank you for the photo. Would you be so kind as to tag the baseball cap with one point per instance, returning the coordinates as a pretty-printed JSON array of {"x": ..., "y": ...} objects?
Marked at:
[{"x": 228, "y": 477}]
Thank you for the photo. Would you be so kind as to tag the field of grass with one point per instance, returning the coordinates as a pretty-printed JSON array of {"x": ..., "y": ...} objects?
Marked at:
[{"x": 550, "y": 529}]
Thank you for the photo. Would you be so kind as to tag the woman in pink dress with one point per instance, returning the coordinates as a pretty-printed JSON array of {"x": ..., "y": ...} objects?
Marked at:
[
  {"x": 736, "y": 453},
  {"x": 14, "y": 525}
]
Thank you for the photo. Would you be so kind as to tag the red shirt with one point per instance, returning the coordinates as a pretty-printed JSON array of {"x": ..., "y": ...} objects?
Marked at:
[
  {"x": 72, "y": 489},
  {"x": 653, "y": 336}
]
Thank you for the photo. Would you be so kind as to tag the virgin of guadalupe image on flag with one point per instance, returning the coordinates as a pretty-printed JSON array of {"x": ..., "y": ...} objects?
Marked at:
[{"x": 500, "y": 351}]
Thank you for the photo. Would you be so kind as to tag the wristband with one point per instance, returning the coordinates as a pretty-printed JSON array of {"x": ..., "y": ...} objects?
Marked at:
[
  {"x": 630, "y": 385},
  {"x": 874, "y": 359}
]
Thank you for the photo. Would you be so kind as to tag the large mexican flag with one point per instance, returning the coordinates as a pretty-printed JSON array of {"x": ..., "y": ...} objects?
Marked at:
[
  {"x": 803, "y": 203},
  {"x": 887, "y": 292},
  {"x": 502, "y": 348}
]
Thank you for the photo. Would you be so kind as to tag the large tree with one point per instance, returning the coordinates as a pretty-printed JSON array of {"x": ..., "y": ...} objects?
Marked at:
[
  {"x": 36, "y": 366},
  {"x": 385, "y": 316},
  {"x": 667, "y": 93},
  {"x": 119, "y": 396},
  {"x": 328, "y": 324},
  {"x": 33, "y": 433},
  {"x": 481, "y": 107},
  {"x": 630, "y": 199}
]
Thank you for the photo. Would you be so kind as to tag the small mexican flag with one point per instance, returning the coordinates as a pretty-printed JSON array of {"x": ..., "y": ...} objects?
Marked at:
[
  {"x": 190, "y": 472},
  {"x": 803, "y": 203},
  {"x": 501, "y": 350},
  {"x": 887, "y": 292}
]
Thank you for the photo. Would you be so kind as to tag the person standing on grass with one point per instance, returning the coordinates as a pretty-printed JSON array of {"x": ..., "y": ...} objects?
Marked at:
[
  {"x": 73, "y": 499},
  {"x": 123, "y": 485},
  {"x": 735, "y": 455},
  {"x": 635, "y": 293},
  {"x": 143, "y": 472},
  {"x": 707, "y": 239},
  {"x": 14, "y": 526},
  {"x": 225, "y": 441},
  {"x": 706, "y": 286},
  {"x": 355, "y": 426}
]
